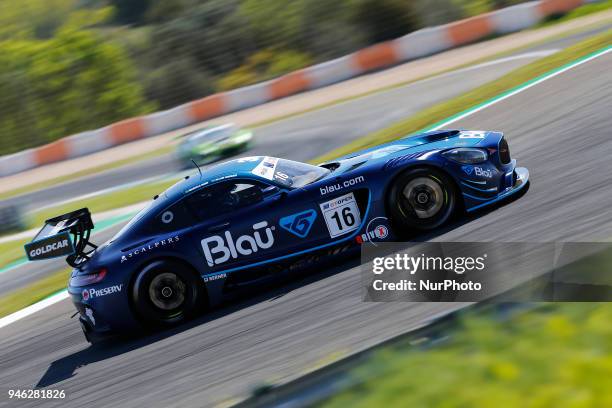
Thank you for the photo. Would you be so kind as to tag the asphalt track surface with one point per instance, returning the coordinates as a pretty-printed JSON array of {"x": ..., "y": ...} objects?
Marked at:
[
  {"x": 559, "y": 129},
  {"x": 324, "y": 129}
]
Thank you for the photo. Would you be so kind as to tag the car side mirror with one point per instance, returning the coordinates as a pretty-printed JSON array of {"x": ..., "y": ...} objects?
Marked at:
[{"x": 277, "y": 198}]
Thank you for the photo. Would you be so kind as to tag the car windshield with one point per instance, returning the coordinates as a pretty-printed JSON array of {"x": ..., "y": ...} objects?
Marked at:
[{"x": 295, "y": 174}]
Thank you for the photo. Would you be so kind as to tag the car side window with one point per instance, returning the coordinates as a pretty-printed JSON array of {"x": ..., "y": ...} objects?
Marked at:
[
  {"x": 173, "y": 218},
  {"x": 225, "y": 197}
]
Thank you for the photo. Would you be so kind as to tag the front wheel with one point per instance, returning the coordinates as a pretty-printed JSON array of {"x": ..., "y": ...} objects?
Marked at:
[
  {"x": 166, "y": 293},
  {"x": 421, "y": 199}
]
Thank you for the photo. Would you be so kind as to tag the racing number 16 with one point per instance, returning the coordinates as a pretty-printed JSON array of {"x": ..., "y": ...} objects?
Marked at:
[
  {"x": 341, "y": 215},
  {"x": 346, "y": 221}
]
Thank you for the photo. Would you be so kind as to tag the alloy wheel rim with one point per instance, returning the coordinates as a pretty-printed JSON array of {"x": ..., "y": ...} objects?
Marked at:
[
  {"x": 424, "y": 196},
  {"x": 167, "y": 291}
]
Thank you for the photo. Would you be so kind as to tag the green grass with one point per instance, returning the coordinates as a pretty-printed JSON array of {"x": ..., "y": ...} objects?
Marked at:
[
  {"x": 34, "y": 292},
  {"x": 11, "y": 251},
  {"x": 581, "y": 11},
  {"x": 88, "y": 172},
  {"x": 479, "y": 95},
  {"x": 557, "y": 355}
]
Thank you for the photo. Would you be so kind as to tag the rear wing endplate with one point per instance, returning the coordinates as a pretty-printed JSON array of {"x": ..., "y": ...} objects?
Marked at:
[{"x": 65, "y": 235}]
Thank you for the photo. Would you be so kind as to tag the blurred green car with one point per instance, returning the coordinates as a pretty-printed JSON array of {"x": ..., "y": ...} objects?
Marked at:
[{"x": 213, "y": 143}]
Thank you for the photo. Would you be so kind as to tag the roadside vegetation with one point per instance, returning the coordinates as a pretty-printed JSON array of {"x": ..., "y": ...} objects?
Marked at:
[
  {"x": 68, "y": 66},
  {"x": 11, "y": 251},
  {"x": 445, "y": 110},
  {"x": 584, "y": 10},
  {"x": 557, "y": 355}
]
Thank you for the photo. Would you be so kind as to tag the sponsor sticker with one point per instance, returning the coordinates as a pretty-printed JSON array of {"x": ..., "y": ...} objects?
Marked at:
[
  {"x": 486, "y": 173},
  {"x": 50, "y": 247},
  {"x": 477, "y": 171},
  {"x": 227, "y": 176},
  {"x": 266, "y": 168},
  {"x": 332, "y": 188},
  {"x": 189, "y": 190},
  {"x": 215, "y": 277},
  {"x": 167, "y": 217},
  {"x": 341, "y": 215},
  {"x": 467, "y": 170},
  {"x": 375, "y": 231},
  {"x": 146, "y": 248},
  {"x": 219, "y": 249},
  {"x": 299, "y": 224},
  {"x": 87, "y": 294}
]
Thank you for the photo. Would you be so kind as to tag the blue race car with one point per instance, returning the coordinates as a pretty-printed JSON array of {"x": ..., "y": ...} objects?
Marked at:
[{"x": 252, "y": 219}]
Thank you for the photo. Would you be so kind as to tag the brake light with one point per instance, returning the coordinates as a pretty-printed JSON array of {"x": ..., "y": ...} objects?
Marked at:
[{"x": 88, "y": 279}]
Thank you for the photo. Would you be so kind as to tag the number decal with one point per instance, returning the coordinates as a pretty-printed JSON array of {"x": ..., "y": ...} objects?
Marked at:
[
  {"x": 281, "y": 176},
  {"x": 341, "y": 215}
]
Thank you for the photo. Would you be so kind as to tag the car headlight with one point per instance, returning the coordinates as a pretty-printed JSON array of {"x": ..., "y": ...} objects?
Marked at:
[{"x": 466, "y": 155}]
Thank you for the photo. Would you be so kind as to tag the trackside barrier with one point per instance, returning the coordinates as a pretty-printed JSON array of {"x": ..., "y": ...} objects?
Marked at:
[{"x": 412, "y": 46}]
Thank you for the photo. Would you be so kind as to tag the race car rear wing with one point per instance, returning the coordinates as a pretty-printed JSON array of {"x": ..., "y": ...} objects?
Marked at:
[{"x": 64, "y": 235}]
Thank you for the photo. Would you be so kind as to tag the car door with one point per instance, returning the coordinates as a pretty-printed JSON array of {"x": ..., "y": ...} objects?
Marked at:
[{"x": 243, "y": 222}]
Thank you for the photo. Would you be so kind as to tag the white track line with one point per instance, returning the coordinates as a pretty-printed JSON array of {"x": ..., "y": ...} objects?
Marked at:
[
  {"x": 36, "y": 307},
  {"x": 64, "y": 294},
  {"x": 522, "y": 88}
]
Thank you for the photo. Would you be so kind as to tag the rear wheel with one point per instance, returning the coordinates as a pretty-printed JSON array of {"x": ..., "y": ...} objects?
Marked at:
[
  {"x": 421, "y": 199},
  {"x": 166, "y": 293}
]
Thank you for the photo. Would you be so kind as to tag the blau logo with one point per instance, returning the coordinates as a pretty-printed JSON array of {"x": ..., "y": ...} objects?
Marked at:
[
  {"x": 299, "y": 224},
  {"x": 478, "y": 171},
  {"x": 231, "y": 247},
  {"x": 468, "y": 170}
]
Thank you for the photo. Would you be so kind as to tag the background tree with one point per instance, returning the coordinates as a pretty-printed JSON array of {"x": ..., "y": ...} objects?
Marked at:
[
  {"x": 71, "y": 83},
  {"x": 72, "y": 65},
  {"x": 384, "y": 20}
]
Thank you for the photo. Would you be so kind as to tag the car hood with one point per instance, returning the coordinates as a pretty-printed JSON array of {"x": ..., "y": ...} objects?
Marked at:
[{"x": 436, "y": 140}]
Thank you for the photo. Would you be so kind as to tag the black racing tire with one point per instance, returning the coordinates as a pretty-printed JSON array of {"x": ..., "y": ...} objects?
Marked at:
[
  {"x": 166, "y": 293},
  {"x": 421, "y": 199}
]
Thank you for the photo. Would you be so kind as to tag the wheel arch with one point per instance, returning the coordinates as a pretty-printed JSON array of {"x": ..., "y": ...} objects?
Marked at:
[
  {"x": 188, "y": 266},
  {"x": 418, "y": 166}
]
